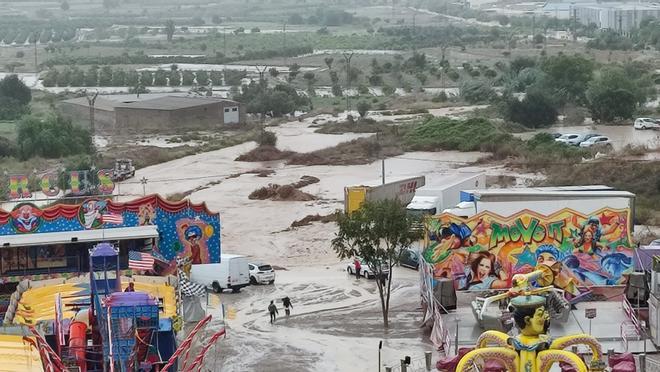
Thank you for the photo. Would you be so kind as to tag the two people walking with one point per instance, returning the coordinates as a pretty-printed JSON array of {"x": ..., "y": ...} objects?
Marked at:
[{"x": 272, "y": 309}]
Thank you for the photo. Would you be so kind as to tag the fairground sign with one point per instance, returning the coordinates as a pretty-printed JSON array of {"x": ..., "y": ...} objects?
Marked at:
[{"x": 74, "y": 183}]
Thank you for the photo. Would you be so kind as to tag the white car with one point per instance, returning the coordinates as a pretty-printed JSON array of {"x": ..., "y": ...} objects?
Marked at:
[
  {"x": 655, "y": 243},
  {"x": 596, "y": 141},
  {"x": 565, "y": 138},
  {"x": 365, "y": 271},
  {"x": 261, "y": 273},
  {"x": 646, "y": 123}
]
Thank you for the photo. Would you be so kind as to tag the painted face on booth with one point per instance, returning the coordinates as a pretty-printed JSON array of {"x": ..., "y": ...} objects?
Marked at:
[
  {"x": 538, "y": 323},
  {"x": 546, "y": 259},
  {"x": 483, "y": 270}
]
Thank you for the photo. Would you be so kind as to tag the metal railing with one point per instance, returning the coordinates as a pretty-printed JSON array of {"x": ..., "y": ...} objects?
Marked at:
[{"x": 70, "y": 264}]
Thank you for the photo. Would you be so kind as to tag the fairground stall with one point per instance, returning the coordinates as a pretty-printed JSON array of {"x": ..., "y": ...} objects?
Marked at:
[
  {"x": 583, "y": 260},
  {"x": 96, "y": 284},
  {"x": 55, "y": 241}
]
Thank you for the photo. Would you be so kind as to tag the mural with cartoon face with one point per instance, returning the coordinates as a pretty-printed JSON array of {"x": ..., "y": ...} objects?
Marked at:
[
  {"x": 486, "y": 250},
  {"x": 26, "y": 218},
  {"x": 194, "y": 233}
]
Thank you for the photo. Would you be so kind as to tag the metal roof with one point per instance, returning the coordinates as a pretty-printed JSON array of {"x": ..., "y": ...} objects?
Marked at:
[
  {"x": 64, "y": 237},
  {"x": 148, "y": 101},
  {"x": 171, "y": 103}
]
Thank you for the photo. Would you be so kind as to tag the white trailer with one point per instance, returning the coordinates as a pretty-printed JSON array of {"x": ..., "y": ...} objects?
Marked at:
[
  {"x": 543, "y": 200},
  {"x": 430, "y": 200}
]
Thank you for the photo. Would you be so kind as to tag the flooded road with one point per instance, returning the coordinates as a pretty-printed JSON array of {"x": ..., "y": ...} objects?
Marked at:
[{"x": 335, "y": 325}]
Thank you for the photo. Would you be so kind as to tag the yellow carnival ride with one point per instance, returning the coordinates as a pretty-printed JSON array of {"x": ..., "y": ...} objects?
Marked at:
[{"x": 532, "y": 350}]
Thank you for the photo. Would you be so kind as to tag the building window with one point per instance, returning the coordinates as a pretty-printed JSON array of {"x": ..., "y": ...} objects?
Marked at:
[
  {"x": 226, "y": 110},
  {"x": 234, "y": 109}
]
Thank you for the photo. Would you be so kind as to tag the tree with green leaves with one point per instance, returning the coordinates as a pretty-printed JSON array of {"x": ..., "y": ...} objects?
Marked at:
[
  {"x": 568, "y": 76},
  {"x": 534, "y": 111},
  {"x": 118, "y": 77},
  {"x": 612, "y": 95},
  {"x": 363, "y": 108},
  {"x": 310, "y": 78},
  {"x": 175, "y": 78},
  {"x": 377, "y": 233},
  {"x": 64, "y": 5},
  {"x": 52, "y": 137},
  {"x": 202, "y": 77},
  {"x": 160, "y": 78},
  {"x": 105, "y": 76},
  {"x": 169, "y": 29}
]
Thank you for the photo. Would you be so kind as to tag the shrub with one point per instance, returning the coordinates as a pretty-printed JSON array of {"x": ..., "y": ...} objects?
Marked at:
[
  {"x": 534, "y": 111},
  {"x": 267, "y": 138},
  {"x": 52, "y": 137}
]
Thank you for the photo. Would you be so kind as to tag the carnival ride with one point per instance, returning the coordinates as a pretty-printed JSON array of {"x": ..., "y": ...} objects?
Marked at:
[
  {"x": 532, "y": 350},
  {"x": 99, "y": 327}
]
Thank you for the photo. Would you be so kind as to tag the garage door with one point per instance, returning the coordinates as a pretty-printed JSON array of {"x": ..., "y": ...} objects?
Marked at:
[{"x": 231, "y": 115}]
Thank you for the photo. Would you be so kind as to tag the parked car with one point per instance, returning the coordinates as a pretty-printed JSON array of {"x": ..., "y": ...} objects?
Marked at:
[
  {"x": 564, "y": 138},
  {"x": 655, "y": 243},
  {"x": 231, "y": 273},
  {"x": 365, "y": 270},
  {"x": 556, "y": 135},
  {"x": 261, "y": 273},
  {"x": 646, "y": 123},
  {"x": 596, "y": 141},
  {"x": 410, "y": 258},
  {"x": 581, "y": 138}
]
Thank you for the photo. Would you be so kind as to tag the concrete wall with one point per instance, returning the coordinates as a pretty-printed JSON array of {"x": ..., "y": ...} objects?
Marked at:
[
  {"x": 104, "y": 120},
  {"x": 126, "y": 120}
]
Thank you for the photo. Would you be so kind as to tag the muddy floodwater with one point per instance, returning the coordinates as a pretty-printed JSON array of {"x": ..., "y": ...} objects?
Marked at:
[
  {"x": 620, "y": 136},
  {"x": 335, "y": 325},
  {"x": 336, "y": 322}
]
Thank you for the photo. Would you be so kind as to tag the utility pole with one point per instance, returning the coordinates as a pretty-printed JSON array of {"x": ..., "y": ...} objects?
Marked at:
[
  {"x": 574, "y": 23},
  {"x": 91, "y": 100},
  {"x": 348, "y": 57},
  {"x": 261, "y": 72},
  {"x": 36, "y": 68},
  {"x": 284, "y": 42},
  {"x": 224, "y": 41}
]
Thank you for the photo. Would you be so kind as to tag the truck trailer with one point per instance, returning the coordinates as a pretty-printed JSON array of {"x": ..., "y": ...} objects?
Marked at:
[
  {"x": 430, "y": 200},
  {"x": 402, "y": 189},
  {"x": 543, "y": 200}
]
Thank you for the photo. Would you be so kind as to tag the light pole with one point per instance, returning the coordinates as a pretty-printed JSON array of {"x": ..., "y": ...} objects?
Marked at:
[
  {"x": 348, "y": 57},
  {"x": 380, "y": 347}
]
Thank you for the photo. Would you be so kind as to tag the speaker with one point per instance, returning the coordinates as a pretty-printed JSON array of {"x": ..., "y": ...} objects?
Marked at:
[
  {"x": 445, "y": 292},
  {"x": 636, "y": 288}
]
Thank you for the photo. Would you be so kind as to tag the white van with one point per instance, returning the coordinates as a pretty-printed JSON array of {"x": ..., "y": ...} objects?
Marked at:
[{"x": 231, "y": 273}]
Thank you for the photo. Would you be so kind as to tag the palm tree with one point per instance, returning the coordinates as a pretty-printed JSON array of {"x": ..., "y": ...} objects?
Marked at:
[{"x": 169, "y": 29}]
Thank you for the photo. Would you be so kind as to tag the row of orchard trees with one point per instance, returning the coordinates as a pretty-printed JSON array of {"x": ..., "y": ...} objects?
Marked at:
[{"x": 107, "y": 76}]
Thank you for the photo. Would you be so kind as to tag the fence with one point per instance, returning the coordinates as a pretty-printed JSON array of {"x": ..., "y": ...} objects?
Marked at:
[{"x": 417, "y": 364}]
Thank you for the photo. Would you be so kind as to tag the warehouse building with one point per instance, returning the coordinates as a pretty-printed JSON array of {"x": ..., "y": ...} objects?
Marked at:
[{"x": 149, "y": 113}]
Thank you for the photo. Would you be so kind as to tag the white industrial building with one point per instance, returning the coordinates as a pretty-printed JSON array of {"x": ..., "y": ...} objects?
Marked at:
[{"x": 621, "y": 17}]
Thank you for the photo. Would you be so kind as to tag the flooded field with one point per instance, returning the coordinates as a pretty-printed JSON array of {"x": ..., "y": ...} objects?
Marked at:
[
  {"x": 261, "y": 228},
  {"x": 619, "y": 135}
]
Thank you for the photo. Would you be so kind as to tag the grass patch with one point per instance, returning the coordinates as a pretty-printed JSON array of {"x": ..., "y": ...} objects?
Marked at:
[
  {"x": 357, "y": 151},
  {"x": 361, "y": 126},
  {"x": 462, "y": 135}
]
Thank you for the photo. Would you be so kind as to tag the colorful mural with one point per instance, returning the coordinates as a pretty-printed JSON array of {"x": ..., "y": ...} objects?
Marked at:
[
  {"x": 200, "y": 238},
  {"x": 486, "y": 250}
]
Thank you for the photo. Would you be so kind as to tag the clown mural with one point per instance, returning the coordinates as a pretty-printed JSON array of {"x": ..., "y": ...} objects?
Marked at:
[
  {"x": 485, "y": 251},
  {"x": 194, "y": 233},
  {"x": 26, "y": 218}
]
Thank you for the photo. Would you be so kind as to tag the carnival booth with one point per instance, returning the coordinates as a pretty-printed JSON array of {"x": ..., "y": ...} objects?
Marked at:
[{"x": 54, "y": 242}]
